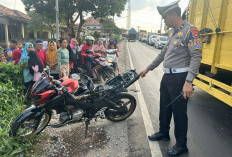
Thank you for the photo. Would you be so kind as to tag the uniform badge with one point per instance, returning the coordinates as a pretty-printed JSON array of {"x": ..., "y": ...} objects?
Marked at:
[
  {"x": 194, "y": 32},
  {"x": 180, "y": 33},
  {"x": 195, "y": 44}
]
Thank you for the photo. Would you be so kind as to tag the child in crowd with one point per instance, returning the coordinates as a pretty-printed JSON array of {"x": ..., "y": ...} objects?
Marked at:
[
  {"x": 3, "y": 58},
  {"x": 113, "y": 46},
  {"x": 16, "y": 55}
]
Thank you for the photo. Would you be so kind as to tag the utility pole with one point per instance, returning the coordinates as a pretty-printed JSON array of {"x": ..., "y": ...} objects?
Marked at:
[
  {"x": 57, "y": 20},
  {"x": 138, "y": 28},
  {"x": 128, "y": 26},
  {"x": 161, "y": 25}
]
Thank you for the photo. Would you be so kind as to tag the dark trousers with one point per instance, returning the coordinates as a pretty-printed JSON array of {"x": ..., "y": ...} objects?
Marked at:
[
  {"x": 171, "y": 86},
  {"x": 88, "y": 66}
]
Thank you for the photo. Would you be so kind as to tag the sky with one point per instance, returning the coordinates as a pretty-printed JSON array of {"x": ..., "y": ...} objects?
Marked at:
[
  {"x": 145, "y": 15},
  {"x": 143, "y": 12}
]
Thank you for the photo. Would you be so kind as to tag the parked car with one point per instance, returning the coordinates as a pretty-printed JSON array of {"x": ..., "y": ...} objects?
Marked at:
[
  {"x": 151, "y": 40},
  {"x": 160, "y": 42},
  {"x": 144, "y": 38}
]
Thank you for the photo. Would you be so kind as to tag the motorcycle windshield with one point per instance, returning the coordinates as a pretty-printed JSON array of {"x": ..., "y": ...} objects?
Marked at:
[
  {"x": 40, "y": 85},
  {"x": 111, "y": 51}
]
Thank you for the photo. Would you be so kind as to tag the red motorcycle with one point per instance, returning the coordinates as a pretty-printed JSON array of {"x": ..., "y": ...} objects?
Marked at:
[{"x": 76, "y": 99}]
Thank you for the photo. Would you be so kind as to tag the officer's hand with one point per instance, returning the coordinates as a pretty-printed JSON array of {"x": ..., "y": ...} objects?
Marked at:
[
  {"x": 187, "y": 90},
  {"x": 143, "y": 73}
]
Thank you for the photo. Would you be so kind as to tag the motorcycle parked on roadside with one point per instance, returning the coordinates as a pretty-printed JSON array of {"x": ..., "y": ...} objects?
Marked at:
[
  {"x": 78, "y": 98},
  {"x": 111, "y": 57},
  {"x": 101, "y": 68}
]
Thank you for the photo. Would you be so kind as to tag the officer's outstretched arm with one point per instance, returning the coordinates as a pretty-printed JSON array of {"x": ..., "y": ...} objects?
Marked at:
[{"x": 156, "y": 62}]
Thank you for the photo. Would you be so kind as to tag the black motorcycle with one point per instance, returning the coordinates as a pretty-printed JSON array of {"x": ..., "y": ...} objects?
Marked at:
[
  {"x": 109, "y": 100},
  {"x": 102, "y": 70}
]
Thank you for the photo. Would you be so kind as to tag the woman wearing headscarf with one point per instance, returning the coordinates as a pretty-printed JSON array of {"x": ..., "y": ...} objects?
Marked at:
[
  {"x": 34, "y": 65},
  {"x": 73, "y": 54},
  {"x": 51, "y": 55},
  {"x": 52, "y": 58},
  {"x": 27, "y": 77}
]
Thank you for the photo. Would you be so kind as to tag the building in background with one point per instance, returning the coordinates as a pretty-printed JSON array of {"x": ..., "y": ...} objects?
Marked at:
[{"x": 12, "y": 25}]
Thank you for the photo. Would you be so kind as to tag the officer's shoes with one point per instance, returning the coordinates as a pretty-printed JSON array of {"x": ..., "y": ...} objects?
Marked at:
[
  {"x": 177, "y": 150},
  {"x": 159, "y": 137}
]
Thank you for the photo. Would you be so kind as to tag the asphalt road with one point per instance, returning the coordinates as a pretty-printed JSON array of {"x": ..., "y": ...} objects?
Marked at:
[
  {"x": 210, "y": 129},
  {"x": 209, "y": 134}
]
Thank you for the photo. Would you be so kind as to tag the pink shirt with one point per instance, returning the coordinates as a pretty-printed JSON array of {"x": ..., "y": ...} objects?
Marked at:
[{"x": 99, "y": 47}]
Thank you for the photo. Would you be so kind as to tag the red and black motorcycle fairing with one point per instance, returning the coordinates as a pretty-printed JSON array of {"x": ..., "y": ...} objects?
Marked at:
[{"x": 79, "y": 101}]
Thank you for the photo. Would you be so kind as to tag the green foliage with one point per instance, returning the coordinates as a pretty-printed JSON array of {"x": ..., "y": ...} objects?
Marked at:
[
  {"x": 96, "y": 35},
  {"x": 109, "y": 26},
  {"x": 71, "y": 11},
  {"x": 11, "y": 74},
  {"x": 40, "y": 23},
  {"x": 11, "y": 104}
]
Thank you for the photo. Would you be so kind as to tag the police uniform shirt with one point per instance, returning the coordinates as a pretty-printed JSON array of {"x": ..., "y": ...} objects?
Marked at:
[{"x": 183, "y": 49}]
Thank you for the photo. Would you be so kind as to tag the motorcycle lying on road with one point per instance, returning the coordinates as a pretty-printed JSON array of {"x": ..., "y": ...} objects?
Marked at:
[
  {"x": 111, "y": 57},
  {"x": 101, "y": 68},
  {"x": 78, "y": 98}
]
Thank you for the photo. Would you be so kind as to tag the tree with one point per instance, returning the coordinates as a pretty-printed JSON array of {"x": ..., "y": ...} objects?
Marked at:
[
  {"x": 72, "y": 10},
  {"x": 36, "y": 25},
  {"x": 109, "y": 26}
]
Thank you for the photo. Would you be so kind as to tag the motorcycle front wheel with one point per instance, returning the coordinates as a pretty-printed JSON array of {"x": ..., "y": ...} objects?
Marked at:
[
  {"x": 30, "y": 124},
  {"x": 108, "y": 74},
  {"x": 127, "y": 103}
]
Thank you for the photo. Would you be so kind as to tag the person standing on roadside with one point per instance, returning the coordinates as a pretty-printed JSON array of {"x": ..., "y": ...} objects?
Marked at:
[
  {"x": 63, "y": 59},
  {"x": 182, "y": 58},
  {"x": 34, "y": 65},
  {"x": 20, "y": 45},
  {"x": 13, "y": 46},
  {"x": 51, "y": 56},
  {"x": 73, "y": 51},
  {"x": 27, "y": 77},
  {"x": 40, "y": 52}
]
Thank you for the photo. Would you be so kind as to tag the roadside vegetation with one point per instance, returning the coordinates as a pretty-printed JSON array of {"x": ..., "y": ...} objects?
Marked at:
[{"x": 11, "y": 104}]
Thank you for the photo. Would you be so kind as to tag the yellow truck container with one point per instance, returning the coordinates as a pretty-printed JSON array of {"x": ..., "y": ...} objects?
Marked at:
[{"x": 216, "y": 69}]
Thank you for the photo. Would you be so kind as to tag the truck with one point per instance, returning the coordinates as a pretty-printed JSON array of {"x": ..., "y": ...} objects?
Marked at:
[
  {"x": 213, "y": 20},
  {"x": 132, "y": 34},
  {"x": 141, "y": 34}
]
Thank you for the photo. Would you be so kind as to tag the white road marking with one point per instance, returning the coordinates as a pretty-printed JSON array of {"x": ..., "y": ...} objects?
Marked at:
[{"x": 154, "y": 146}]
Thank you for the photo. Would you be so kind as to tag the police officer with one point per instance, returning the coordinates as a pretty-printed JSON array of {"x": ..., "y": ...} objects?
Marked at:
[{"x": 181, "y": 60}]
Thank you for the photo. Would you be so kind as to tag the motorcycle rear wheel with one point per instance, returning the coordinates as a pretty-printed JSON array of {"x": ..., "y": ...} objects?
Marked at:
[
  {"x": 123, "y": 100},
  {"x": 27, "y": 127}
]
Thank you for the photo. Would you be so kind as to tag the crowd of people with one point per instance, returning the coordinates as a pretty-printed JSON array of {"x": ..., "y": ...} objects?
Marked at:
[{"x": 63, "y": 57}]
